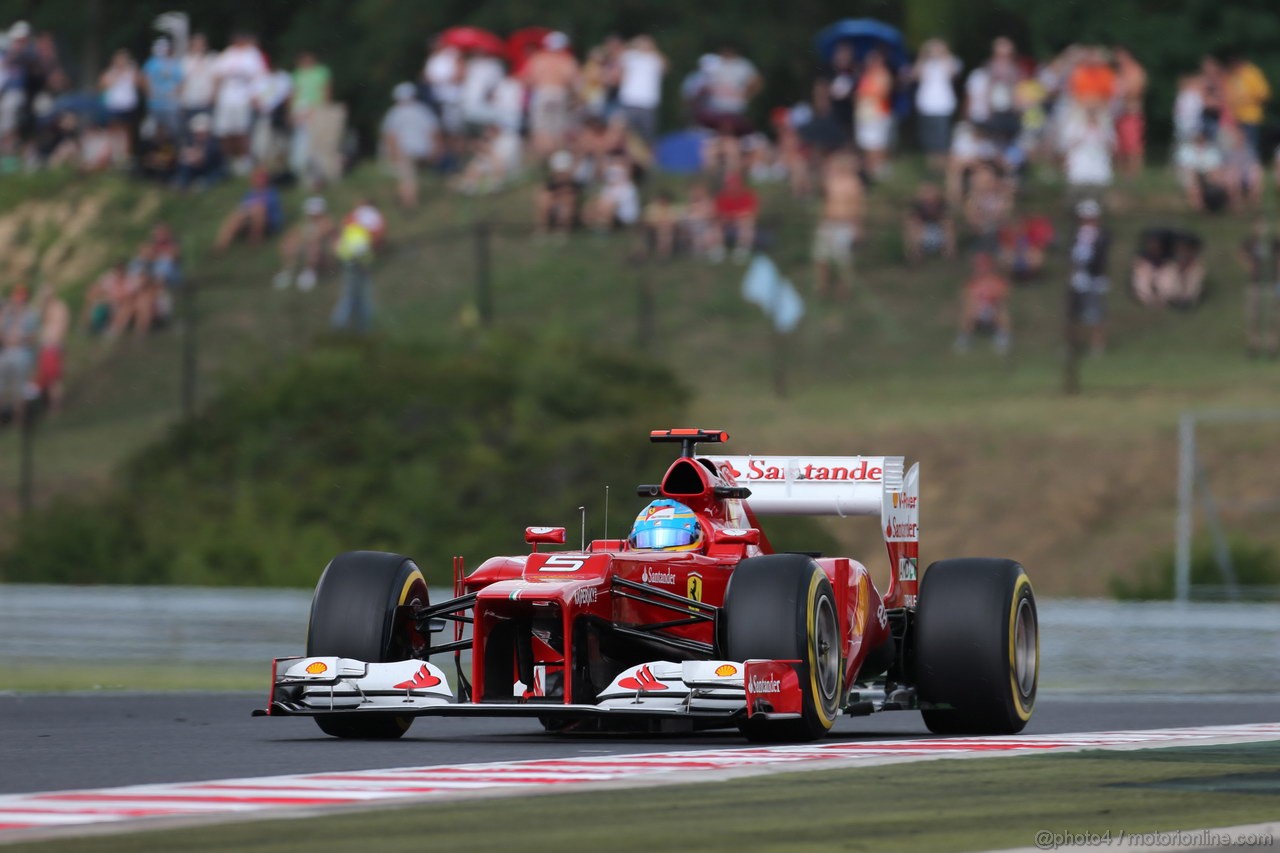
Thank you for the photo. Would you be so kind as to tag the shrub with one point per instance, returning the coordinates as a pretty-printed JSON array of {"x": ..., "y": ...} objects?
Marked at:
[{"x": 1255, "y": 565}]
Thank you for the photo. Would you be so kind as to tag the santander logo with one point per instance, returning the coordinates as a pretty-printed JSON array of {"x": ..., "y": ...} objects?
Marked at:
[
  {"x": 421, "y": 680},
  {"x": 775, "y": 470},
  {"x": 663, "y": 577},
  {"x": 767, "y": 684},
  {"x": 643, "y": 680}
]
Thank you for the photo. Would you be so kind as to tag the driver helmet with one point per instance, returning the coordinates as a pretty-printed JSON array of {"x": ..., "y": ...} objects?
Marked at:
[{"x": 666, "y": 525}]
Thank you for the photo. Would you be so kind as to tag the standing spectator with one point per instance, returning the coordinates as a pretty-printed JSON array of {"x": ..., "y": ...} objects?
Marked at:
[
  {"x": 120, "y": 95},
  {"x": 1093, "y": 83},
  {"x": 354, "y": 309},
  {"x": 305, "y": 247},
  {"x": 481, "y": 75},
  {"x": 985, "y": 306},
  {"x": 163, "y": 75},
  {"x": 837, "y": 231},
  {"x": 1003, "y": 75},
  {"x": 17, "y": 80},
  {"x": 1260, "y": 254},
  {"x": 737, "y": 208},
  {"x": 1243, "y": 170},
  {"x": 311, "y": 90},
  {"x": 1089, "y": 146},
  {"x": 873, "y": 113},
  {"x": 1188, "y": 107},
  {"x": 1202, "y": 173},
  {"x": 552, "y": 74},
  {"x": 241, "y": 72},
  {"x": 55, "y": 321},
  {"x": 1247, "y": 92},
  {"x": 199, "y": 79},
  {"x": 732, "y": 81},
  {"x": 18, "y": 327},
  {"x": 1088, "y": 286},
  {"x": 257, "y": 215},
  {"x": 987, "y": 207},
  {"x": 835, "y": 90},
  {"x": 410, "y": 139},
  {"x": 934, "y": 75},
  {"x": 442, "y": 75},
  {"x": 1213, "y": 97},
  {"x": 1131, "y": 86},
  {"x": 640, "y": 87}
]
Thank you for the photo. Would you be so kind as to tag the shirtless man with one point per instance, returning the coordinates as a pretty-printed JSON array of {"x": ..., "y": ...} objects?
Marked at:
[
  {"x": 551, "y": 75},
  {"x": 841, "y": 213}
]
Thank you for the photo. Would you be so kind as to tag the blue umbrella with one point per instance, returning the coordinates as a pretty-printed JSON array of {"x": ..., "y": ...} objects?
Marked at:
[
  {"x": 864, "y": 34},
  {"x": 681, "y": 152}
]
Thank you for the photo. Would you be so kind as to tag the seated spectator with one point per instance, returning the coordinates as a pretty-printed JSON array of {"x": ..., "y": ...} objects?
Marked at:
[
  {"x": 559, "y": 199},
  {"x": 367, "y": 215},
  {"x": 793, "y": 155},
  {"x": 258, "y": 215},
  {"x": 1167, "y": 270},
  {"x": 495, "y": 163},
  {"x": 617, "y": 205},
  {"x": 927, "y": 228},
  {"x": 700, "y": 223},
  {"x": 985, "y": 306},
  {"x": 158, "y": 155},
  {"x": 971, "y": 147},
  {"x": 19, "y": 324},
  {"x": 1202, "y": 174},
  {"x": 986, "y": 207},
  {"x": 410, "y": 140},
  {"x": 1023, "y": 244},
  {"x": 305, "y": 247},
  {"x": 106, "y": 292},
  {"x": 737, "y": 208},
  {"x": 55, "y": 321},
  {"x": 143, "y": 302},
  {"x": 1241, "y": 167},
  {"x": 662, "y": 218},
  {"x": 200, "y": 163},
  {"x": 595, "y": 143}
]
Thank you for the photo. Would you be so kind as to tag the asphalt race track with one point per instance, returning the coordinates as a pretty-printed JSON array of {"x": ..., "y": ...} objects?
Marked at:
[{"x": 54, "y": 742}]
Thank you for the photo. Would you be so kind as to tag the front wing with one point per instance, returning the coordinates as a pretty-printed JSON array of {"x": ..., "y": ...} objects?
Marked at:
[{"x": 705, "y": 690}]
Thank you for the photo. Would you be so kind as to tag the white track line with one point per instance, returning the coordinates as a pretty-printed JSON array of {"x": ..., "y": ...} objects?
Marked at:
[{"x": 25, "y": 816}]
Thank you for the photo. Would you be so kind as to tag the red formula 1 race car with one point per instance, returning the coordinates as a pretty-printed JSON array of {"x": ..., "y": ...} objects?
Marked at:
[{"x": 691, "y": 622}]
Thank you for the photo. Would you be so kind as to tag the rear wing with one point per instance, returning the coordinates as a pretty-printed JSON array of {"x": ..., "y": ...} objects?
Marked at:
[{"x": 841, "y": 486}]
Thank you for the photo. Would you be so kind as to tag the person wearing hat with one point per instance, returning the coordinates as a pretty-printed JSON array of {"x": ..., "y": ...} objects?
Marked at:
[
  {"x": 410, "y": 138},
  {"x": 200, "y": 157},
  {"x": 1088, "y": 285},
  {"x": 302, "y": 249}
]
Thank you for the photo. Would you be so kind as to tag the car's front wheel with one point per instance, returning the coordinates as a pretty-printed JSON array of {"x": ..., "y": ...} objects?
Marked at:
[{"x": 354, "y": 615}]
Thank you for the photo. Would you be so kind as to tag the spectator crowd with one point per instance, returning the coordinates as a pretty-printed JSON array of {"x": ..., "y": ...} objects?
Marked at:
[{"x": 485, "y": 112}]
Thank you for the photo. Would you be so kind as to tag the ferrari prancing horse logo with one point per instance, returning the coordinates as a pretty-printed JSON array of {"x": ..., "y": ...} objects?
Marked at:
[{"x": 694, "y": 588}]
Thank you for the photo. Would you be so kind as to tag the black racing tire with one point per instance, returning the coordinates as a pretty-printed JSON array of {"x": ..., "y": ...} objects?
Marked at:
[
  {"x": 781, "y": 607},
  {"x": 353, "y": 615},
  {"x": 977, "y": 647}
]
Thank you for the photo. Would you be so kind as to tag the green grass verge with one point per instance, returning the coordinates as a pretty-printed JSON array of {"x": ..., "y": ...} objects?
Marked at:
[
  {"x": 942, "y": 805},
  {"x": 61, "y": 676}
]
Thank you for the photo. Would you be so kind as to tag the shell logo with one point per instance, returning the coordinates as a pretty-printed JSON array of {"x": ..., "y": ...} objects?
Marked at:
[
  {"x": 317, "y": 668},
  {"x": 726, "y": 669}
]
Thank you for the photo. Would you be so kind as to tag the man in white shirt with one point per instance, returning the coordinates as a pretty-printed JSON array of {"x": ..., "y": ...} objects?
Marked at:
[
  {"x": 410, "y": 137},
  {"x": 640, "y": 89},
  {"x": 199, "y": 81},
  {"x": 240, "y": 73},
  {"x": 731, "y": 83}
]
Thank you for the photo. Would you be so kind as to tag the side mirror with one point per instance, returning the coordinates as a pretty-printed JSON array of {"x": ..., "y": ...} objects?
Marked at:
[
  {"x": 544, "y": 535},
  {"x": 737, "y": 535}
]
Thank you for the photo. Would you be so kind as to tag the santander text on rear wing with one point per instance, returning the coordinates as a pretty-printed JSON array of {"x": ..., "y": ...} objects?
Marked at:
[{"x": 841, "y": 486}]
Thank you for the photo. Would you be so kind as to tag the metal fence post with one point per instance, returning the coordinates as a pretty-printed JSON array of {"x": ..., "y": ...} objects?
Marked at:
[
  {"x": 189, "y": 347},
  {"x": 484, "y": 295},
  {"x": 26, "y": 465},
  {"x": 1186, "y": 506}
]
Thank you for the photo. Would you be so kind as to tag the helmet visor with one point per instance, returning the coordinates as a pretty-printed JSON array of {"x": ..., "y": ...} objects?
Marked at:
[{"x": 663, "y": 537}]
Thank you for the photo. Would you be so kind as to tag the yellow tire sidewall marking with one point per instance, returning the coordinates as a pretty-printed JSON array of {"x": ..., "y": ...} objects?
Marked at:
[{"x": 1023, "y": 711}]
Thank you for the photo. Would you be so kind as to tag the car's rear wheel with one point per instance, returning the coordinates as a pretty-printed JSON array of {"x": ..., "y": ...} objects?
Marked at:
[
  {"x": 781, "y": 607},
  {"x": 354, "y": 615},
  {"x": 977, "y": 647}
]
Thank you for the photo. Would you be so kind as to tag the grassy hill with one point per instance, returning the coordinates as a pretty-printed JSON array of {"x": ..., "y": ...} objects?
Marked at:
[{"x": 1078, "y": 488}]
